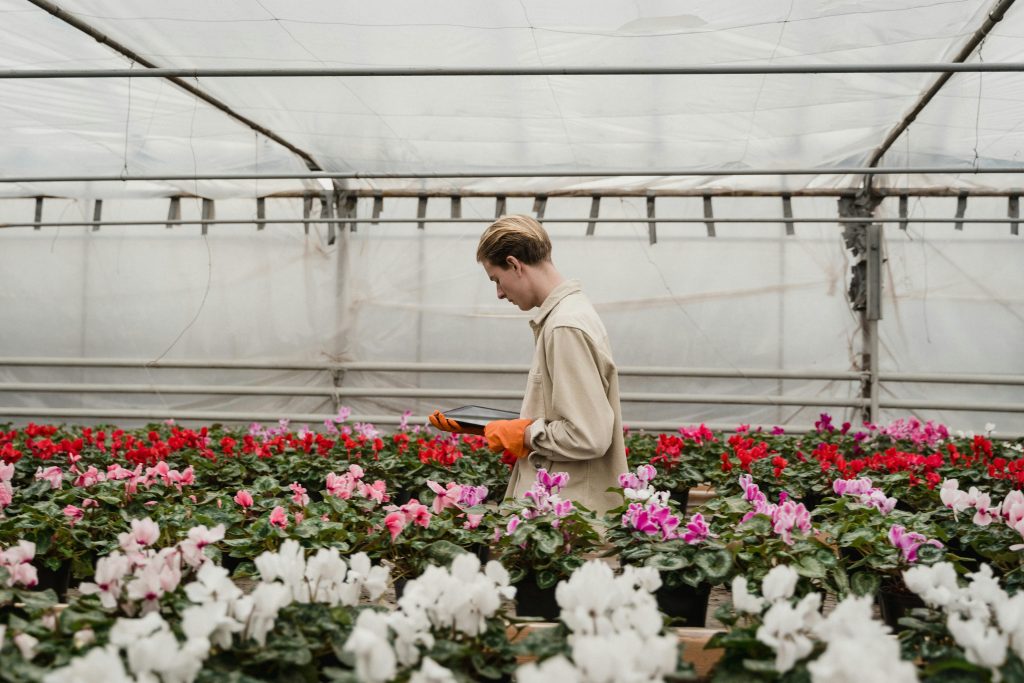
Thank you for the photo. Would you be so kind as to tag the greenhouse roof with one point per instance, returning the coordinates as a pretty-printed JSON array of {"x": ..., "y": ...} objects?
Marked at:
[{"x": 535, "y": 123}]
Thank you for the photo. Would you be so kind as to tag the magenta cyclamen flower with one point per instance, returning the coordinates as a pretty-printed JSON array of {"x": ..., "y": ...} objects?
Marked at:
[
  {"x": 908, "y": 542},
  {"x": 652, "y": 519},
  {"x": 696, "y": 530}
]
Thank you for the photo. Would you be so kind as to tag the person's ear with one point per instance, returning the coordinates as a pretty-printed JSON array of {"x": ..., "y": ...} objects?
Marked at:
[{"x": 515, "y": 264}]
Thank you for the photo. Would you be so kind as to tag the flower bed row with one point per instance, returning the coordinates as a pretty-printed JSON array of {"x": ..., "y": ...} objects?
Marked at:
[{"x": 847, "y": 512}]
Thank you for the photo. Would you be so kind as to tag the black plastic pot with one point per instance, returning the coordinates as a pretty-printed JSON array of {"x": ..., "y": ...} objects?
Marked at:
[
  {"x": 59, "y": 579},
  {"x": 685, "y": 602},
  {"x": 895, "y": 602},
  {"x": 681, "y": 497},
  {"x": 534, "y": 601}
]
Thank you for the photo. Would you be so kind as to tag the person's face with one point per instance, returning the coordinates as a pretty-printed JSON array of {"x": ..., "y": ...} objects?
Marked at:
[{"x": 511, "y": 282}]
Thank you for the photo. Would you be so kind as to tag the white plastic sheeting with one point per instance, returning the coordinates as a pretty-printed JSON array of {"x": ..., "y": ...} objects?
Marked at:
[
  {"x": 749, "y": 298},
  {"x": 493, "y": 123}
]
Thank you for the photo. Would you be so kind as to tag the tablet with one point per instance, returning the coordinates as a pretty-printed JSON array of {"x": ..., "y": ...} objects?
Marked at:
[{"x": 478, "y": 416}]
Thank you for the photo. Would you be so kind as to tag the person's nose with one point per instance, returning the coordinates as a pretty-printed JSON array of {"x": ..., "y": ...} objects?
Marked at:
[{"x": 501, "y": 294}]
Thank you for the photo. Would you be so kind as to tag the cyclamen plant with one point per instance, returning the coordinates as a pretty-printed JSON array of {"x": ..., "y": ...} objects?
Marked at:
[
  {"x": 648, "y": 530},
  {"x": 977, "y": 628},
  {"x": 542, "y": 534},
  {"x": 612, "y": 630},
  {"x": 445, "y": 618},
  {"x": 775, "y": 636}
]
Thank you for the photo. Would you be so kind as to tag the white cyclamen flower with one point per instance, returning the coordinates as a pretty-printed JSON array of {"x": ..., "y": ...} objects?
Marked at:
[
  {"x": 787, "y": 628},
  {"x": 368, "y": 642},
  {"x": 936, "y": 584},
  {"x": 779, "y": 583},
  {"x": 26, "y": 645},
  {"x": 984, "y": 645},
  {"x": 432, "y": 672},
  {"x": 267, "y": 601},
  {"x": 742, "y": 600},
  {"x": 859, "y": 648},
  {"x": 99, "y": 665},
  {"x": 557, "y": 668}
]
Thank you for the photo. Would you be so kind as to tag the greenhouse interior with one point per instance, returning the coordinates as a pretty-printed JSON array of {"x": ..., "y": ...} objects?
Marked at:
[{"x": 275, "y": 407}]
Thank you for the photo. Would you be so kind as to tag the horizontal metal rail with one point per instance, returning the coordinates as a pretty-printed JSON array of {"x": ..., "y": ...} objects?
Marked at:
[
  {"x": 1017, "y": 380},
  {"x": 311, "y": 418},
  {"x": 371, "y": 366},
  {"x": 773, "y": 220},
  {"x": 953, "y": 405},
  {"x": 522, "y": 173},
  {"x": 435, "y": 72},
  {"x": 411, "y": 393}
]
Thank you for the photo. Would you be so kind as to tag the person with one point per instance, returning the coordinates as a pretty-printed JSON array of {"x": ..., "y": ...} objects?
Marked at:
[{"x": 570, "y": 419}]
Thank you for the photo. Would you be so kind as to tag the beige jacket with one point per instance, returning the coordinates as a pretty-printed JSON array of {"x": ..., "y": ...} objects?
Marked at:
[{"x": 572, "y": 395}]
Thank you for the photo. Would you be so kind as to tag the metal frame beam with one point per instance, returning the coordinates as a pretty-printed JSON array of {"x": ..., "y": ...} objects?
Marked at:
[
  {"x": 993, "y": 18},
  {"x": 837, "y": 220},
  {"x": 152, "y": 71},
  {"x": 435, "y": 72},
  {"x": 512, "y": 173}
]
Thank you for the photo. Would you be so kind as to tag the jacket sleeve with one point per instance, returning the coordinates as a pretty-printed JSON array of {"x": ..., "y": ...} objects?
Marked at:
[{"x": 582, "y": 419}]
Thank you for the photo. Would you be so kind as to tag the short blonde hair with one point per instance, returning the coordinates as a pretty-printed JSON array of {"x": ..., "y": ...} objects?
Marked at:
[{"x": 519, "y": 236}]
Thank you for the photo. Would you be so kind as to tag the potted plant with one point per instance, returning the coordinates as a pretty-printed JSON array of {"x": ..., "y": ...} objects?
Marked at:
[
  {"x": 648, "y": 530},
  {"x": 541, "y": 539}
]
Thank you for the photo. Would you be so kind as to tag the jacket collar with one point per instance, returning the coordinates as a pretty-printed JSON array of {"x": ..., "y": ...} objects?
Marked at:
[{"x": 557, "y": 294}]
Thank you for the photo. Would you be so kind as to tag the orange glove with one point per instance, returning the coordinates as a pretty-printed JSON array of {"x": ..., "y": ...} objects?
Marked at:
[
  {"x": 447, "y": 425},
  {"x": 508, "y": 435}
]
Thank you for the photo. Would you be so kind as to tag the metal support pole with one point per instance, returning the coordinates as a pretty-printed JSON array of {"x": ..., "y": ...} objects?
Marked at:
[
  {"x": 863, "y": 239},
  {"x": 97, "y": 214}
]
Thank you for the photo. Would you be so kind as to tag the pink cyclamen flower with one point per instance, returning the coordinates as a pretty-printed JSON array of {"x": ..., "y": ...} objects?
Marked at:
[
  {"x": 376, "y": 491},
  {"x": 299, "y": 496},
  {"x": 244, "y": 498},
  {"x": 473, "y": 495},
  {"x": 908, "y": 542},
  {"x": 53, "y": 475},
  {"x": 74, "y": 514},
  {"x": 447, "y": 497},
  {"x": 278, "y": 517},
  {"x": 395, "y": 522},
  {"x": 298, "y": 518},
  {"x": 472, "y": 521}
]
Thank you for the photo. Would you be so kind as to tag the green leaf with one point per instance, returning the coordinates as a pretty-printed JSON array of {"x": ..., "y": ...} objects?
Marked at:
[
  {"x": 810, "y": 567},
  {"x": 715, "y": 564},
  {"x": 865, "y": 583},
  {"x": 929, "y": 554},
  {"x": 548, "y": 541},
  {"x": 667, "y": 563}
]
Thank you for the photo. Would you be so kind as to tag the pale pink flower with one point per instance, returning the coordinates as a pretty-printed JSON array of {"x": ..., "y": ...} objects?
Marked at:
[
  {"x": 298, "y": 518},
  {"x": 90, "y": 503},
  {"x": 144, "y": 532},
  {"x": 278, "y": 517},
  {"x": 447, "y": 497},
  {"x": 24, "y": 574},
  {"x": 90, "y": 477},
  {"x": 6, "y": 494},
  {"x": 74, "y": 514},
  {"x": 375, "y": 491},
  {"x": 6, "y": 472},
  {"x": 299, "y": 496},
  {"x": 54, "y": 475},
  {"x": 341, "y": 486},
  {"x": 472, "y": 521},
  {"x": 244, "y": 498}
]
